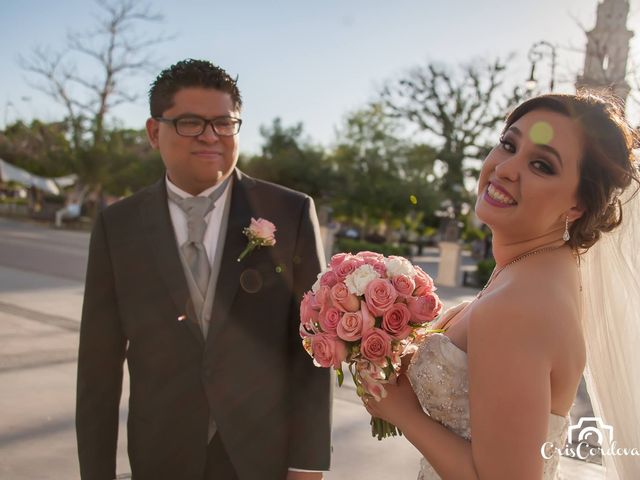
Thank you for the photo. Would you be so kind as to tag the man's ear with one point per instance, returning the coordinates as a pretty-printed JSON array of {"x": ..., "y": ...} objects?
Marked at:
[{"x": 152, "y": 132}]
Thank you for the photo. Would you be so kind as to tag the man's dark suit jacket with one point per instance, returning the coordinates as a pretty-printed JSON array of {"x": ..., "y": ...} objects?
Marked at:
[{"x": 271, "y": 405}]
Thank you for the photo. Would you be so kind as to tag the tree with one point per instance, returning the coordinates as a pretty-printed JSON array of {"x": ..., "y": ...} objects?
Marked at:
[
  {"x": 289, "y": 159},
  {"x": 118, "y": 52},
  {"x": 132, "y": 163},
  {"x": 382, "y": 178},
  {"x": 459, "y": 109},
  {"x": 124, "y": 162},
  {"x": 41, "y": 148}
]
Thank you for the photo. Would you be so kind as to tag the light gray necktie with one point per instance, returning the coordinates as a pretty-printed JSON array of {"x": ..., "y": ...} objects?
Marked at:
[
  {"x": 195, "y": 254},
  {"x": 193, "y": 250}
]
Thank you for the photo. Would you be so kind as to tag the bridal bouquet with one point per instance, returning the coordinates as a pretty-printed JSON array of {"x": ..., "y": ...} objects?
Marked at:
[{"x": 366, "y": 310}]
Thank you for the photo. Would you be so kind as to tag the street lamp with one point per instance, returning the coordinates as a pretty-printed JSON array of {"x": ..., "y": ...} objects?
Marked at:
[
  {"x": 536, "y": 53},
  {"x": 7, "y": 104}
]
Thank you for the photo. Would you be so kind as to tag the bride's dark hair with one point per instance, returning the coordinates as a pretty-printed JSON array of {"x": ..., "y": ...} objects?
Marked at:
[{"x": 608, "y": 164}]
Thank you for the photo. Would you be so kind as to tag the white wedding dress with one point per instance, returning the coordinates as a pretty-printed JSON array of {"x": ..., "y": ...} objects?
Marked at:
[{"x": 438, "y": 374}]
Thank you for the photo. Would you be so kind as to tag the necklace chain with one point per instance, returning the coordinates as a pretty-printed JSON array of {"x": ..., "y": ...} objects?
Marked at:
[{"x": 497, "y": 272}]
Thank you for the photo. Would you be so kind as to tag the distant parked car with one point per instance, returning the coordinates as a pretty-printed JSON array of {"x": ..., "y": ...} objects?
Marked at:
[{"x": 348, "y": 232}]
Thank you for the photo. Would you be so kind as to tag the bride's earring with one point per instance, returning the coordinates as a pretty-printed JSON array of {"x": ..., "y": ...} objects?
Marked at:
[{"x": 566, "y": 236}]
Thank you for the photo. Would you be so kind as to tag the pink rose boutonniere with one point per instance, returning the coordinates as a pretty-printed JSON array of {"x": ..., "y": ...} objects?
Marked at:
[{"x": 261, "y": 233}]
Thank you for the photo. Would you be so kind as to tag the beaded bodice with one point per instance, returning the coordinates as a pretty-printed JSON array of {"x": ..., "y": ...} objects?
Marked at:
[{"x": 438, "y": 374}]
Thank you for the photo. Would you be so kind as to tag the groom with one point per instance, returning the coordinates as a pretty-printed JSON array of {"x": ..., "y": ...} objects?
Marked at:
[{"x": 220, "y": 386}]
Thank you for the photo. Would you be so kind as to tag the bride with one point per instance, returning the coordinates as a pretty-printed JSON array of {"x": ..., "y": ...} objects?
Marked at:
[{"x": 490, "y": 397}]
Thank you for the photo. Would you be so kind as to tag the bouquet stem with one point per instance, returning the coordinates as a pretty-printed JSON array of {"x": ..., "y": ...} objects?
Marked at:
[{"x": 383, "y": 429}]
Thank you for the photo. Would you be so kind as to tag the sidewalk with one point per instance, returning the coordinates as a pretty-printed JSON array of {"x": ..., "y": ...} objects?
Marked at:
[{"x": 39, "y": 321}]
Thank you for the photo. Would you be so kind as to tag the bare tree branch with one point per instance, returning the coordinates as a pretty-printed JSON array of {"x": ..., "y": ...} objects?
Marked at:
[
  {"x": 460, "y": 108},
  {"x": 119, "y": 51}
]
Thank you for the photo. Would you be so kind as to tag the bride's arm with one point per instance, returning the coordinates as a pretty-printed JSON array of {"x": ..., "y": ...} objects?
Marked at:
[
  {"x": 511, "y": 344},
  {"x": 509, "y": 364}
]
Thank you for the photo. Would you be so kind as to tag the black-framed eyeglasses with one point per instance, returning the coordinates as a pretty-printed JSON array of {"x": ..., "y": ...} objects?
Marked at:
[{"x": 193, "y": 126}]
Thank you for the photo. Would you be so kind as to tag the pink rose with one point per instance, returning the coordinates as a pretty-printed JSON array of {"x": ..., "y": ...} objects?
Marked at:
[
  {"x": 365, "y": 368},
  {"x": 404, "y": 285},
  {"x": 424, "y": 308},
  {"x": 343, "y": 299},
  {"x": 376, "y": 345},
  {"x": 372, "y": 256},
  {"x": 373, "y": 379},
  {"x": 379, "y": 267},
  {"x": 308, "y": 314},
  {"x": 350, "y": 326},
  {"x": 337, "y": 259},
  {"x": 328, "y": 279},
  {"x": 264, "y": 230},
  {"x": 323, "y": 298},
  {"x": 368, "y": 321},
  {"x": 347, "y": 267},
  {"x": 306, "y": 331},
  {"x": 375, "y": 260},
  {"x": 396, "y": 321},
  {"x": 328, "y": 351},
  {"x": 379, "y": 296},
  {"x": 328, "y": 320},
  {"x": 396, "y": 357},
  {"x": 374, "y": 387},
  {"x": 424, "y": 283}
]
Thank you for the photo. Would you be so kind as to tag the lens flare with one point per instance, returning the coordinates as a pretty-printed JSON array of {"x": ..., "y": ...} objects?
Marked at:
[
  {"x": 541, "y": 133},
  {"x": 251, "y": 281}
]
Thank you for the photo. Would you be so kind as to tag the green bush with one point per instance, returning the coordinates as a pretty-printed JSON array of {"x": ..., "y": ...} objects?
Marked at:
[
  {"x": 485, "y": 267},
  {"x": 472, "y": 233},
  {"x": 349, "y": 245},
  {"x": 13, "y": 201}
]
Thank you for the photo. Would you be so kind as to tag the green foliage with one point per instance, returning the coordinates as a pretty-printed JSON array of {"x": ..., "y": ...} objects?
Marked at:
[
  {"x": 123, "y": 162},
  {"x": 429, "y": 231},
  {"x": 472, "y": 233},
  {"x": 131, "y": 164},
  {"x": 381, "y": 178},
  {"x": 41, "y": 148},
  {"x": 13, "y": 201},
  {"x": 289, "y": 159},
  {"x": 354, "y": 246},
  {"x": 485, "y": 267}
]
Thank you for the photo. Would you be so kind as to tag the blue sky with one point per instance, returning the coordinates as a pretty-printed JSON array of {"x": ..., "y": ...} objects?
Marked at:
[{"x": 308, "y": 61}]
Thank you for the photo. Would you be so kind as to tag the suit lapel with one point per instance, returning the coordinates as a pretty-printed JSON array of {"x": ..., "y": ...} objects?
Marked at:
[
  {"x": 156, "y": 221},
  {"x": 240, "y": 213}
]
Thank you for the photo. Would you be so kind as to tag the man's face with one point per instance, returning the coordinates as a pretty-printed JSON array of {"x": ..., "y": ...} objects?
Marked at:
[{"x": 196, "y": 163}]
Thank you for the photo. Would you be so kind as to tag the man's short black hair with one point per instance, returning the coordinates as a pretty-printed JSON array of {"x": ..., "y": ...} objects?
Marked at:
[{"x": 190, "y": 73}]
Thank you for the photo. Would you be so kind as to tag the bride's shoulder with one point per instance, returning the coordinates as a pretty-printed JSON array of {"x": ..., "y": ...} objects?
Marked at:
[{"x": 534, "y": 311}]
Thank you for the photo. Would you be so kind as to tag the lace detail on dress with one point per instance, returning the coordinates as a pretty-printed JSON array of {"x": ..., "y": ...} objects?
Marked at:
[{"x": 438, "y": 374}]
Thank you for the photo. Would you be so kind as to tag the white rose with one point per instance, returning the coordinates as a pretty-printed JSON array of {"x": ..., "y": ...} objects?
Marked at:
[
  {"x": 357, "y": 281},
  {"x": 399, "y": 266}
]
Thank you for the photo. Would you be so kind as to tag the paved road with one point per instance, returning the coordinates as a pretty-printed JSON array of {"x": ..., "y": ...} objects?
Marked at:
[
  {"x": 30, "y": 247},
  {"x": 41, "y": 275}
]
